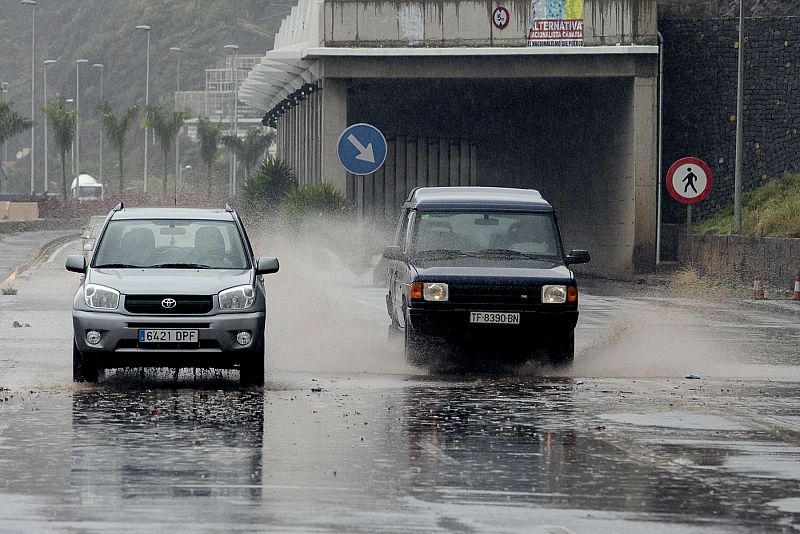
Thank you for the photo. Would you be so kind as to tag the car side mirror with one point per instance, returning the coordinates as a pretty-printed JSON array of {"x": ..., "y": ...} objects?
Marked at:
[
  {"x": 578, "y": 256},
  {"x": 76, "y": 264},
  {"x": 394, "y": 253},
  {"x": 267, "y": 265}
]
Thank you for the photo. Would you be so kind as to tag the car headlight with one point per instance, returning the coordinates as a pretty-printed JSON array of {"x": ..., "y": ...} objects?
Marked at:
[
  {"x": 435, "y": 291},
  {"x": 101, "y": 297},
  {"x": 237, "y": 298},
  {"x": 554, "y": 294}
]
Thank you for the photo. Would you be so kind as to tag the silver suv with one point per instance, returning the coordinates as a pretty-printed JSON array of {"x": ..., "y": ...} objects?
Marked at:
[{"x": 170, "y": 287}]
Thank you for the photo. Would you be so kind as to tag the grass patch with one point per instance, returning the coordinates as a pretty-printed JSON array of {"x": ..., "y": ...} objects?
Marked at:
[
  {"x": 10, "y": 290},
  {"x": 771, "y": 210}
]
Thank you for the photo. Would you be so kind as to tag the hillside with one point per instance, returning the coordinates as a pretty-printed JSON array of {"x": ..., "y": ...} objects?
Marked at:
[{"x": 102, "y": 31}]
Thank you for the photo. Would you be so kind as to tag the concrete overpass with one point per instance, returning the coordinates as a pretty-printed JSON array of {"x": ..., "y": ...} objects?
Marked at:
[{"x": 462, "y": 101}]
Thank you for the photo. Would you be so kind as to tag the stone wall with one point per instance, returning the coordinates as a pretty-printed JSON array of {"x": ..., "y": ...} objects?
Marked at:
[
  {"x": 700, "y": 101},
  {"x": 740, "y": 258},
  {"x": 692, "y": 9}
]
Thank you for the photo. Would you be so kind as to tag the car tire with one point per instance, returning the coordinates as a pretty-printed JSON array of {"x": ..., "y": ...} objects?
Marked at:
[
  {"x": 251, "y": 371},
  {"x": 84, "y": 366},
  {"x": 561, "y": 352},
  {"x": 415, "y": 346}
]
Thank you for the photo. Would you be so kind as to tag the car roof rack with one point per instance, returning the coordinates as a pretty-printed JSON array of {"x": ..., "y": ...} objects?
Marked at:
[{"x": 118, "y": 207}]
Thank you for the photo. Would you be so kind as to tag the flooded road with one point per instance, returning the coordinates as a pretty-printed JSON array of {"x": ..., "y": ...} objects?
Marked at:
[{"x": 347, "y": 437}]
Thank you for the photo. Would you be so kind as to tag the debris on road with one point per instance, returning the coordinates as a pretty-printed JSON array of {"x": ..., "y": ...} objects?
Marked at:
[{"x": 691, "y": 376}]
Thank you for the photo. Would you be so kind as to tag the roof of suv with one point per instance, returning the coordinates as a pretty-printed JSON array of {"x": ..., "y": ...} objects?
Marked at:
[
  {"x": 500, "y": 198},
  {"x": 201, "y": 214}
]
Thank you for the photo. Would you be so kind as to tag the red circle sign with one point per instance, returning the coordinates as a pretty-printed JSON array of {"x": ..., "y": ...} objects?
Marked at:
[
  {"x": 689, "y": 180},
  {"x": 500, "y": 17}
]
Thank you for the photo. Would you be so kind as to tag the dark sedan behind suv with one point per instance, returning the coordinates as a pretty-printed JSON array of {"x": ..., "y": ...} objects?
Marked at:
[
  {"x": 170, "y": 287},
  {"x": 482, "y": 266}
]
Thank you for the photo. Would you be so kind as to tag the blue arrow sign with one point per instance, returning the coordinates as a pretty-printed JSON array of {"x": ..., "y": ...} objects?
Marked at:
[{"x": 361, "y": 149}]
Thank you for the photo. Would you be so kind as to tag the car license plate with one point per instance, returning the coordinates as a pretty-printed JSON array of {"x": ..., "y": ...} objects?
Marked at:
[
  {"x": 493, "y": 317},
  {"x": 168, "y": 336}
]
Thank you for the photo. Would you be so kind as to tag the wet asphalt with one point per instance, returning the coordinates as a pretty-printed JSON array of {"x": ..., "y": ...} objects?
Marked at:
[{"x": 347, "y": 437}]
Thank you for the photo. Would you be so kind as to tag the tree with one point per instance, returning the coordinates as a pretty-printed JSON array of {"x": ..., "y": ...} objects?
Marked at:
[
  {"x": 250, "y": 148},
  {"x": 11, "y": 124},
  {"x": 209, "y": 135},
  {"x": 116, "y": 130},
  {"x": 166, "y": 129},
  {"x": 266, "y": 189},
  {"x": 62, "y": 126}
]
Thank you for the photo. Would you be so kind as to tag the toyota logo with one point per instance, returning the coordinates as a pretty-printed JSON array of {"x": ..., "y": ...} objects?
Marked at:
[{"x": 169, "y": 303}]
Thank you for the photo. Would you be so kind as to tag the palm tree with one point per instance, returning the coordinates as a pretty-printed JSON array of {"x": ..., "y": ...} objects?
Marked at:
[
  {"x": 209, "y": 135},
  {"x": 62, "y": 125},
  {"x": 166, "y": 129},
  {"x": 252, "y": 147},
  {"x": 116, "y": 130},
  {"x": 11, "y": 124}
]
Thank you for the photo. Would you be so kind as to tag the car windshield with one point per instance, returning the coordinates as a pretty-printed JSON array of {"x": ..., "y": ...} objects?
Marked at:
[
  {"x": 175, "y": 244},
  {"x": 501, "y": 234}
]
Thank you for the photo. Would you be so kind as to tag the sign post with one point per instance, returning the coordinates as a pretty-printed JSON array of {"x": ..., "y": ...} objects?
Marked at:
[{"x": 689, "y": 181}]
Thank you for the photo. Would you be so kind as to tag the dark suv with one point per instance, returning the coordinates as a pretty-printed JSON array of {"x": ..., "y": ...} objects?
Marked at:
[
  {"x": 486, "y": 266},
  {"x": 170, "y": 287}
]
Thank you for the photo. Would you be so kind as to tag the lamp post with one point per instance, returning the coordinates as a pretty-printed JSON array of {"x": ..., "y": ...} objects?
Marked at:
[
  {"x": 177, "y": 51},
  {"x": 3, "y": 91},
  {"x": 146, "y": 29},
  {"x": 78, "y": 64},
  {"x": 72, "y": 148},
  {"x": 235, "y": 70},
  {"x": 180, "y": 174},
  {"x": 737, "y": 173},
  {"x": 32, "y": 3},
  {"x": 45, "y": 63},
  {"x": 100, "y": 66}
]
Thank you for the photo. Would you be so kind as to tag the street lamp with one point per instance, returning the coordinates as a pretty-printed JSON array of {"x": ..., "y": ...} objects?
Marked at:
[
  {"x": 72, "y": 148},
  {"x": 180, "y": 174},
  {"x": 177, "y": 50},
  {"x": 45, "y": 63},
  {"x": 145, "y": 28},
  {"x": 3, "y": 91},
  {"x": 235, "y": 49},
  {"x": 100, "y": 66},
  {"x": 78, "y": 64},
  {"x": 32, "y": 3}
]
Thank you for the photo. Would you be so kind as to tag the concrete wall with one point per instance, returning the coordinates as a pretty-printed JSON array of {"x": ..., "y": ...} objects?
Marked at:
[
  {"x": 694, "y": 9},
  {"x": 19, "y": 211},
  {"x": 445, "y": 23},
  {"x": 739, "y": 258}
]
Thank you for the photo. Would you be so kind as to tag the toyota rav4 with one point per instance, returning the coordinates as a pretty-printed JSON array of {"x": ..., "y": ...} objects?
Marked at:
[{"x": 170, "y": 287}]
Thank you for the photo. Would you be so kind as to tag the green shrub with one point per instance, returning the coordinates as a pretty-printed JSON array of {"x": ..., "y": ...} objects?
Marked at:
[
  {"x": 264, "y": 191},
  {"x": 315, "y": 200}
]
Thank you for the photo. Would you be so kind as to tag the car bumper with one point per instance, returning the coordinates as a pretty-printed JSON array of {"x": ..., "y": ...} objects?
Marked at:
[
  {"x": 216, "y": 336},
  {"x": 534, "y": 325}
]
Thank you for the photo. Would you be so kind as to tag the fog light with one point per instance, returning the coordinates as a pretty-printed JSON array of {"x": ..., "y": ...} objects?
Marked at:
[
  {"x": 93, "y": 337},
  {"x": 243, "y": 338}
]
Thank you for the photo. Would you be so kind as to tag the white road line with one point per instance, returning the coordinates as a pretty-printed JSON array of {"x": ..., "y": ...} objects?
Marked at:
[{"x": 59, "y": 250}]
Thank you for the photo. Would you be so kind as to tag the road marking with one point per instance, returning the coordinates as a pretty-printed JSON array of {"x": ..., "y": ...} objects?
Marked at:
[{"x": 59, "y": 250}]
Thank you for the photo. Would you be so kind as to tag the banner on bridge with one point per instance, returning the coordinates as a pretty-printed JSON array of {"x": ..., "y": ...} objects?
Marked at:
[{"x": 556, "y": 23}]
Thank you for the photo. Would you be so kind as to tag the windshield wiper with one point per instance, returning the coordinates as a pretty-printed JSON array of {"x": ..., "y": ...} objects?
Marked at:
[
  {"x": 517, "y": 254},
  {"x": 179, "y": 266},
  {"x": 443, "y": 252},
  {"x": 117, "y": 266}
]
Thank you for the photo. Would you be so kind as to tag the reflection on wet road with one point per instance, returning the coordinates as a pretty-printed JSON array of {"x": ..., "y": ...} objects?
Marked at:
[{"x": 368, "y": 454}]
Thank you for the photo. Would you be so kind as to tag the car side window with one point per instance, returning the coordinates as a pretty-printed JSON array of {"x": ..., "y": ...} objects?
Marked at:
[{"x": 402, "y": 229}]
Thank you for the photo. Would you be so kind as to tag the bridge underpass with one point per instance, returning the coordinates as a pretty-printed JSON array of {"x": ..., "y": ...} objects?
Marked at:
[{"x": 578, "y": 124}]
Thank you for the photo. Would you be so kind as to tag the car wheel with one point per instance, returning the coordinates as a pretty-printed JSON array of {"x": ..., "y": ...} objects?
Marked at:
[
  {"x": 561, "y": 352},
  {"x": 251, "y": 371},
  {"x": 84, "y": 366}
]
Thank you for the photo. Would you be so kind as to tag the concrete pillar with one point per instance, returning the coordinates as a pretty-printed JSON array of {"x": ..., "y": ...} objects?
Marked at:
[
  {"x": 334, "y": 121},
  {"x": 645, "y": 173}
]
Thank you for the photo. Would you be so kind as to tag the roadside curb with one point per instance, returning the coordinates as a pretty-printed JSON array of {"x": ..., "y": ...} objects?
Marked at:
[
  {"x": 790, "y": 306},
  {"x": 36, "y": 256}
]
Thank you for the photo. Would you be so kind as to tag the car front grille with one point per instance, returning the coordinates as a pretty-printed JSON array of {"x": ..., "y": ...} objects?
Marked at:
[
  {"x": 184, "y": 304},
  {"x": 495, "y": 294}
]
